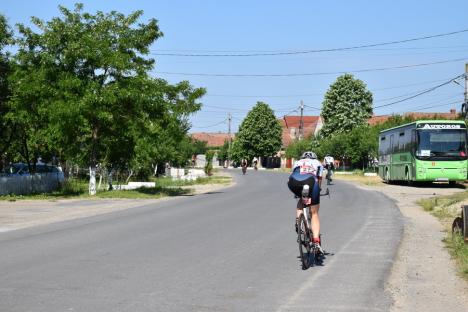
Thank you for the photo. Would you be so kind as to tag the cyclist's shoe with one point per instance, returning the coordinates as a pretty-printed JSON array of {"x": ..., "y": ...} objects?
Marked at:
[
  {"x": 319, "y": 249},
  {"x": 297, "y": 226}
]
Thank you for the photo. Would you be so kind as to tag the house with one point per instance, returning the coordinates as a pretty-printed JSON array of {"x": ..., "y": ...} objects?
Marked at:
[
  {"x": 212, "y": 139},
  {"x": 452, "y": 114},
  {"x": 291, "y": 126}
]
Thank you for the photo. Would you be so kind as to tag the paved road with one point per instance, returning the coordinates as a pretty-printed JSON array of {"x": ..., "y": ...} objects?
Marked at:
[{"x": 233, "y": 250}]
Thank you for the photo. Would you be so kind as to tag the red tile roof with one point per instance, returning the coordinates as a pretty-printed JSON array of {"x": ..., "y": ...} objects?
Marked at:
[
  {"x": 212, "y": 139},
  {"x": 290, "y": 125},
  {"x": 416, "y": 115}
]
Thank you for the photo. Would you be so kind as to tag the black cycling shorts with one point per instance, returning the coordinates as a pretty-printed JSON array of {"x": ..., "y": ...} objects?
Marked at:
[{"x": 297, "y": 181}]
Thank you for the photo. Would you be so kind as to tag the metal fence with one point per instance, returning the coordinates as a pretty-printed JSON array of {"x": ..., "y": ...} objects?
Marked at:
[{"x": 29, "y": 184}]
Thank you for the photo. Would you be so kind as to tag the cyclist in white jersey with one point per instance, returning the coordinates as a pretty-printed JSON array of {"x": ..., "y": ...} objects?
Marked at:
[
  {"x": 329, "y": 164},
  {"x": 308, "y": 170}
]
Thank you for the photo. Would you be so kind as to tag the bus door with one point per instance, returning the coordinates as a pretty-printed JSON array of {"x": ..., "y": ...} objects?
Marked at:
[{"x": 392, "y": 150}]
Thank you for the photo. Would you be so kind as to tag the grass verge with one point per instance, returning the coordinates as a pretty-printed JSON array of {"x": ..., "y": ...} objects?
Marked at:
[
  {"x": 74, "y": 188},
  {"x": 360, "y": 178},
  {"x": 446, "y": 208}
]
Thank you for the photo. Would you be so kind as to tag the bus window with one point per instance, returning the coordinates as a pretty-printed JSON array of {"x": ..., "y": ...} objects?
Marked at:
[{"x": 441, "y": 143}]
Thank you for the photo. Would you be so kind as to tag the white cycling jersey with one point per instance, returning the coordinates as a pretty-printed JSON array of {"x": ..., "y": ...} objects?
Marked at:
[
  {"x": 309, "y": 166},
  {"x": 329, "y": 160}
]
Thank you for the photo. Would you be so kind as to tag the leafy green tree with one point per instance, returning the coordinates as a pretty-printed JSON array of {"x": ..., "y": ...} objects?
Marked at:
[
  {"x": 82, "y": 91},
  {"x": 237, "y": 153},
  {"x": 347, "y": 104},
  {"x": 297, "y": 148},
  {"x": 7, "y": 130},
  {"x": 224, "y": 151},
  {"x": 199, "y": 147},
  {"x": 209, "y": 161},
  {"x": 259, "y": 133}
]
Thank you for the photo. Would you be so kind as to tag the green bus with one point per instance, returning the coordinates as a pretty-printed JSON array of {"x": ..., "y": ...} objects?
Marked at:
[{"x": 424, "y": 150}]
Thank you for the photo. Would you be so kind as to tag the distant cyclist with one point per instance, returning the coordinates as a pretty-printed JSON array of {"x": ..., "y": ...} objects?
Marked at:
[
  {"x": 329, "y": 164},
  {"x": 244, "y": 166},
  {"x": 308, "y": 170}
]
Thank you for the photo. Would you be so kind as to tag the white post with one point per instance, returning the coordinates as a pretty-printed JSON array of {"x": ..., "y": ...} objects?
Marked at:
[{"x": 92, "y": 180}]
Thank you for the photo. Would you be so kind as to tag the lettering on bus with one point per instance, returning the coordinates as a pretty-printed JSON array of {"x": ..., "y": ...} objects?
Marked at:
[{"x": 439, "y": 126}]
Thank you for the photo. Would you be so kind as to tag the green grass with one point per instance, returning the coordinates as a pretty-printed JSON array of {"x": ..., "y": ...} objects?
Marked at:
[
  {"x": 442, "y": 208},
  {"x": 459, "y": 251},
  {"x": 74, "y": 188},
  {"x": 439, "y": 202}
]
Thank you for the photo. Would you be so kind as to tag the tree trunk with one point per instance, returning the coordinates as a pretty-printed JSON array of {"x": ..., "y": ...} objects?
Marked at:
[
  {"x": 100, "y": 180},
  {"x": 92, "y": 167},
  {"x": 129, "y": 176}
]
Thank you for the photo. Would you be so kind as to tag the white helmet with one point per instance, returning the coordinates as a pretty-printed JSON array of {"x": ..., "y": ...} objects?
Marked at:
[{"x": 309, "y": 154}]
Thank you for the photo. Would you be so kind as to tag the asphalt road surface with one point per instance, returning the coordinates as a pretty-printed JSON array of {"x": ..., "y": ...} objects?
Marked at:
[{"x": 233, "y": 250}]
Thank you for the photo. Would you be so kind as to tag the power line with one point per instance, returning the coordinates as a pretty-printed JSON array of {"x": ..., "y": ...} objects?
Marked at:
[
  {"x": 316, "y": 94},
  {"x": 421, "y": 93},
  {"x": 263, "y": 96},
  {"x": 438, "y": 105},
  {"x": 410, "y": 85},
  {"x": 273, "y": 51},
  {"x": 361, "y": 46},
  {"x": 316, "y": 108},
  {"x": 316, "y": 73},
  {"x": 214, "y": 125}
]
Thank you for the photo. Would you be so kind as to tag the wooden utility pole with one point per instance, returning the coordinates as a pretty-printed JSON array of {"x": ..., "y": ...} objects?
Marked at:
[
  {"x": 301, "y": 123},
  {"x": 229, "y": 139},
  {"x": 464, "y": 107}
]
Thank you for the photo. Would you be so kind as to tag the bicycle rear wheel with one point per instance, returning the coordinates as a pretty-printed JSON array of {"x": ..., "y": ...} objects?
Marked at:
[{"x": 303, "y": 238}]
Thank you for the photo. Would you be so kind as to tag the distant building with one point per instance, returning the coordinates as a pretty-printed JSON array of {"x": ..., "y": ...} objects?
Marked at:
[
  {"x": 212, "y": 139},
  {"x": 291, "y": 125},
  {"x": 452, "y": 114}
]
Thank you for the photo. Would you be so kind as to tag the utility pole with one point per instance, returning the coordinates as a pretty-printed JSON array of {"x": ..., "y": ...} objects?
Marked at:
[
  {"x": 465, "y": 104},
  {"x": 301, "y": 123},
  {"x": 229, "y": 139}
]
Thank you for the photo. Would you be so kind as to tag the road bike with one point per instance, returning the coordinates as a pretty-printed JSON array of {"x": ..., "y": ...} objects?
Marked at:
[
  {"x": 308, "y": 251},
  {"x": 329, "y": 175}
]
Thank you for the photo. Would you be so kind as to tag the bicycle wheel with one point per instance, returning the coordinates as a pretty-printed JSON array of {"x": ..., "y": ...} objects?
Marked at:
[{"x": 303, "y": 238}]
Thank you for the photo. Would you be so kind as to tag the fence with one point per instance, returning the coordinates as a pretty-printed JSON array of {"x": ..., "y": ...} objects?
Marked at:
[{"x": 29, "y": 184}]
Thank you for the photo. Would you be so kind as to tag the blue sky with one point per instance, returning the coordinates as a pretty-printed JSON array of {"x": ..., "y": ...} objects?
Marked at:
[{"x": 207, "y": 27}]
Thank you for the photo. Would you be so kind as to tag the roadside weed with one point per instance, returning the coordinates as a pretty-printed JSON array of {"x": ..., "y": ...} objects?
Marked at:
[{"x": 446, "y": 208}]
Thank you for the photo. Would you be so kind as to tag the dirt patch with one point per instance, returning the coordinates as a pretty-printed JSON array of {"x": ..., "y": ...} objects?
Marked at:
[
  {"x": 423, "y": 277},
  {"x": 27, "y": 213}
]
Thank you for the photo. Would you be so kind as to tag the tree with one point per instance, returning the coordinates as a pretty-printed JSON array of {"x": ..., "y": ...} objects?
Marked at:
[
  {"x": 224, "y": 151},
  {"x": 198, "y": 147},
  {"x": 259, "y": 133},
  {"x": 297, "y": 148},
  {"x": 82, "y": 90},
  {"x": 7, "y": 130},
  {"x": 347, "y": 104}
]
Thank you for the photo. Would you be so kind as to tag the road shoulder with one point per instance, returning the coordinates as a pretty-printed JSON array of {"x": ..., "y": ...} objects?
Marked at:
[
  {"x": 28, "y": 213},
  {"x": 423, "y": 277}
]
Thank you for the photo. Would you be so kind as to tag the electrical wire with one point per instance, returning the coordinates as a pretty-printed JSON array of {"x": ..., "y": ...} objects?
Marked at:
[
  {"x": 210, "y": 126},
  {"x": 316, "y": 73},
  {"x": 421, "y": 93},
  {"x": 361, "y": 46},
  {"x": 439, "y": 105},
  {"x": 273, "y": 51},
  {"x": 318, "y": 94}
]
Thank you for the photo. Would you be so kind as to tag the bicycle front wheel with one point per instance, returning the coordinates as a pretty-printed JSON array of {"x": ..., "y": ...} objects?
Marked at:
[{"x": 304, "y": 242}]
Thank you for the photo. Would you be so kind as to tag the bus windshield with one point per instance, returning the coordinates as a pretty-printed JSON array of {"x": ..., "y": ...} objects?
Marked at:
[{"x": 441, "y": 144}]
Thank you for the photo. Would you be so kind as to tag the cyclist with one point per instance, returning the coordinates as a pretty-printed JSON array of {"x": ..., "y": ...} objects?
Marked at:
[
  {"x": 244, "y": 166},
  {"x": 308, "y": 170},
  {"x": 329, "y": 164}
]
